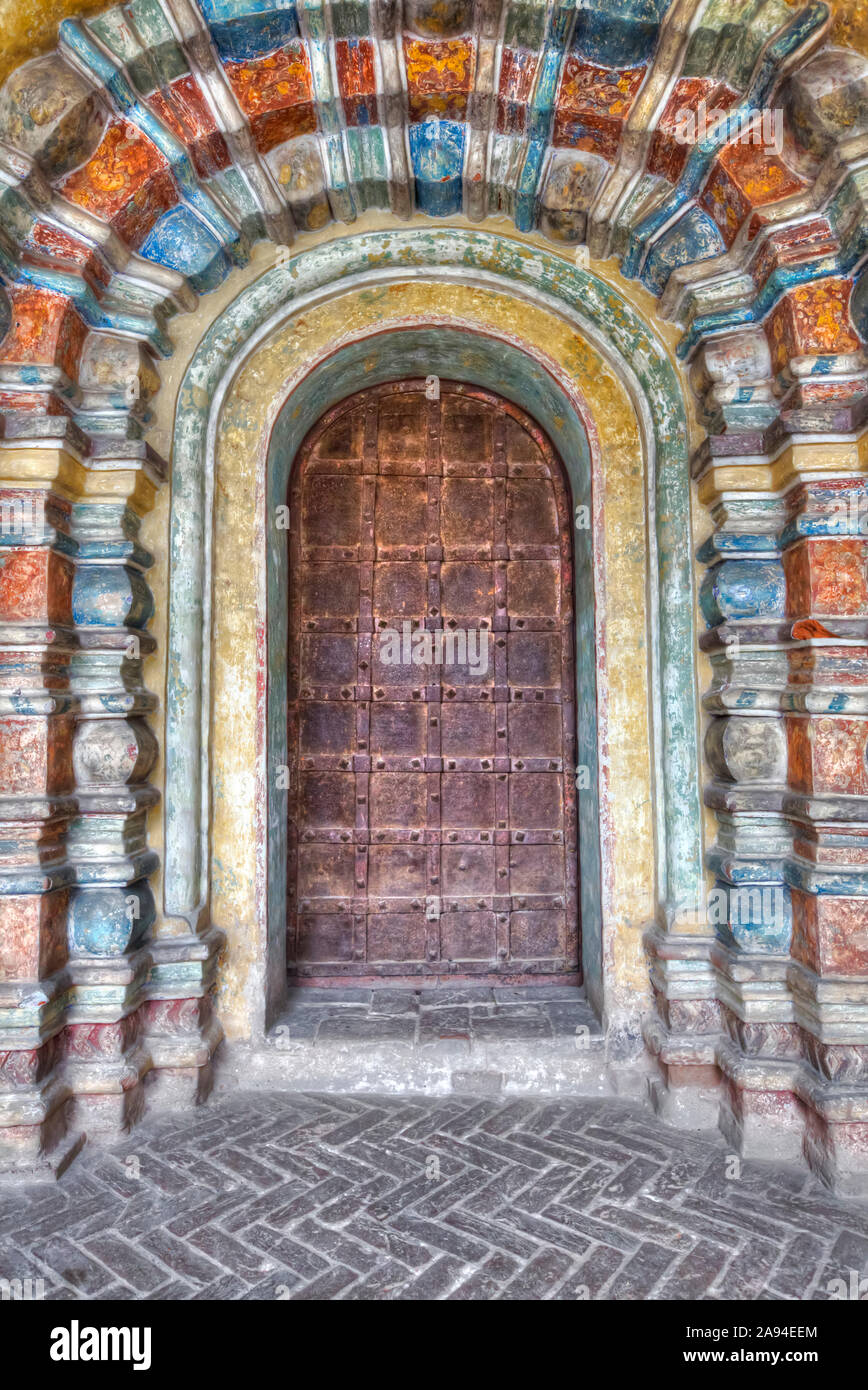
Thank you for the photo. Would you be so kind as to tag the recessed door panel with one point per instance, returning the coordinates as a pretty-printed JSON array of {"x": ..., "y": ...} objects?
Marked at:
[{"x": 431, "y": 718}]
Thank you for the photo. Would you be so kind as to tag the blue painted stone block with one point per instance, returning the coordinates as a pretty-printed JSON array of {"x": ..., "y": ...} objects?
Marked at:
[
  {"x": 107, "y": 921},
  {"x": 111, "y": 596},
  {"x": 695, "y": 237},
  {"x": 620, "y": 35},
  {"x": 180, "y": 241},
  {"x": 753, "y": 917},
  {"x": 437, "y": 155},
  {"x": 743, "y": 589},
  {"x": 244, "y": 29}
]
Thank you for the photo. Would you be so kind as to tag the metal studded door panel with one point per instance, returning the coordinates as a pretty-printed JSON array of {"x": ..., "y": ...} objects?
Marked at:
[{"x": 432, "y": 806}]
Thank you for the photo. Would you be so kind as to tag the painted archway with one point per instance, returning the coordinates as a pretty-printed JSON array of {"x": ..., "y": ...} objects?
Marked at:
[
  {"x": 140, "y": 162},
  {"x": 478, "y": 347}
]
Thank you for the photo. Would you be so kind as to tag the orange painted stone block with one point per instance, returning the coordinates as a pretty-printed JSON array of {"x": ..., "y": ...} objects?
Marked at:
[
  {"x": 277, "y": 94},
  {"x": 439, "y": 77},
  {"x": 126, "y": 182},
  {"x": 32, "y": 935},
  {"x": 827, "y": 755},
  {"x": 830, "y": 934},
  {"x": 45, "y": 330},
  {"x": 36, "y": 586},
  {"x": 827, "y": 577},
  {"x": 36, "y": 755},
  {"x": 812, "y": 321},
  {"x": 746, "y": 176},
  {"x": 593, "y": 104}
]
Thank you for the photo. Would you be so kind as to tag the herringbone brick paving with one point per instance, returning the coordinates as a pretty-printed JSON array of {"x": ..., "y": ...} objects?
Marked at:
[{"x": 272, "y": 1196}]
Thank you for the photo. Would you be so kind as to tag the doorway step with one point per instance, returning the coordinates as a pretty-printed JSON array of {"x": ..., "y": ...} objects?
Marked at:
[{"x": 541, "y": 1040}]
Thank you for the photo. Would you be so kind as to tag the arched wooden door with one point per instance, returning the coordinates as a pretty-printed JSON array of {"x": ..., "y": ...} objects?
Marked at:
[{"x": 432, "y": 803}]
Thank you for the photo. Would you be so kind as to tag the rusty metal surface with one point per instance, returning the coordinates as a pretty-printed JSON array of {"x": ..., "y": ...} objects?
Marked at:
[{"x": 432, "y": 807}]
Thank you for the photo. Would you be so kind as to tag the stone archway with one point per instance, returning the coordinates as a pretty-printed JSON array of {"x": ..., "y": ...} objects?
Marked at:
[{"x": 256, "y": 427}]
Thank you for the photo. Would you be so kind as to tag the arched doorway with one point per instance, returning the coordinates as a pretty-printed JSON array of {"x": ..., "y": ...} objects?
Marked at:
[
  {"x": 313, "y": 340},
  {"x": 431, "y": 694}
]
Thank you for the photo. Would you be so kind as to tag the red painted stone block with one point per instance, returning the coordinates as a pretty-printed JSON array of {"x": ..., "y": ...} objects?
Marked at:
[
  {"x": 276, "y": 93},
  {"x": 34, "y": 402},
  {"x": 832, "y": 844},
  {"x": 517, "y": 74},
  {"x": 790, "y": 246},
  {"x": 840, "y": 1151},
  {"x": 593, "y": 104},
  {"x": 827, "y": 755},
  {"x": 703, "y": 1074},
  {"x": 33, "y": 842},
  {"x": 668, "y": 154},
  {"x": 183, "y": 108},
  {"x": 819, "y": 392},
  {"x": 828, "y": 667},
  {"x": 357, "y": 80},
  {"x": 28, "y": 1067},
  {"x": 39, "y": 668},
  {"x": 827, "y": 577},
  {"x": 100, "y": 1042},
  {"x": 54, "y": 246},
  {"x": 174, "y": 1016},
  {"x": 36, "y": 755},
  {"x": 35, "y": 585},
  {"x": 45, "y": 331},
  {"x": 32, "y": 935},
  {"x": 765, "y": 1124},
  {"x": 439, "y": 78},
  {"x": 830, "y": 934}
]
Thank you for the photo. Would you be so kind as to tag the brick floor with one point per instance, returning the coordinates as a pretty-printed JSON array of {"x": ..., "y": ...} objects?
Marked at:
[{"x": 267, "y": 1196}]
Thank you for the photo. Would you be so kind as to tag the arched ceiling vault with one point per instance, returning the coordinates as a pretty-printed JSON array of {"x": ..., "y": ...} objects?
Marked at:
[{"x": 716, "y": 147}]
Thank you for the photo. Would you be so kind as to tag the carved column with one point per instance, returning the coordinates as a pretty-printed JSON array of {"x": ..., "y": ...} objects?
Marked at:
[
  {"x": 785, "y": 599},
  {"x": 94, "y": 1003}
]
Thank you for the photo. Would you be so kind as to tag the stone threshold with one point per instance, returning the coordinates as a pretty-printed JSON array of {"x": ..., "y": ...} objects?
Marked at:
[{"x": 540, "y": 1040}]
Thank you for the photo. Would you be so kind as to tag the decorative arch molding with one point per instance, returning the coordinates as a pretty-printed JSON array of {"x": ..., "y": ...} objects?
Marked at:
[
  {"x": 597, "y": 312},
  {"x": 486, "y": 354},
  {"x": 717, "y": 152}
]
